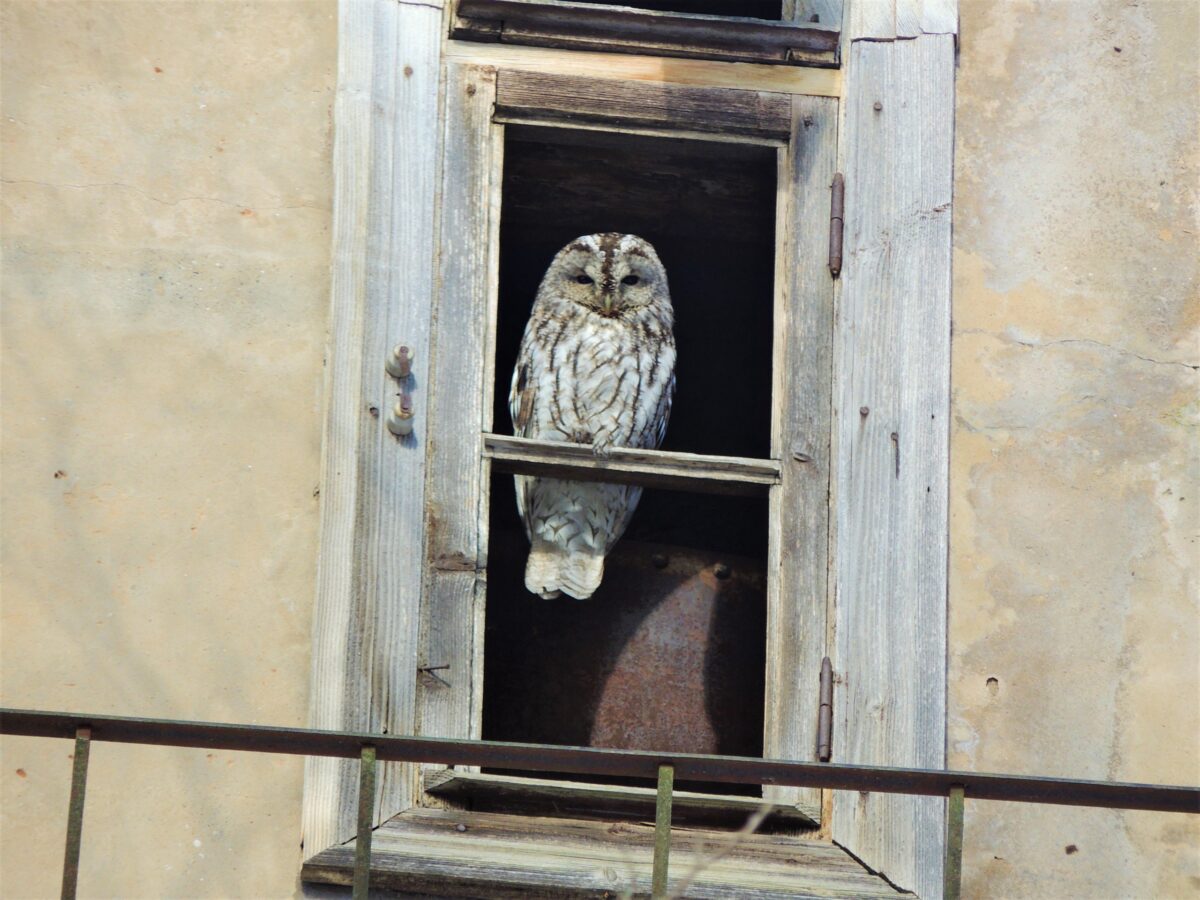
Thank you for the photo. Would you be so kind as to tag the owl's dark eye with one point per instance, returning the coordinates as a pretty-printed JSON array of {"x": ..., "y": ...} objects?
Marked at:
[
  {"x": 630, "y": 279},
  {"x": 583, "y": 279}
]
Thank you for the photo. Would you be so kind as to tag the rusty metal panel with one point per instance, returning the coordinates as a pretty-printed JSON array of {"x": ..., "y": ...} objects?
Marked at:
[{"x": 669, "y": 654}]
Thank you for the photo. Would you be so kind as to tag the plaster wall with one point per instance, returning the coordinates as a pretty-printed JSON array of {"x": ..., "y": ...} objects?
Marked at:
[
  {"x": 165, "y": 236},
  {"x": 166, "y": 211},
  {"x": 1075, "y": 484}
]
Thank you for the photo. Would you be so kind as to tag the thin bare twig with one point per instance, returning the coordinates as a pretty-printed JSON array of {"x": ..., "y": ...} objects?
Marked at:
[{"x": 731, "y": 843}]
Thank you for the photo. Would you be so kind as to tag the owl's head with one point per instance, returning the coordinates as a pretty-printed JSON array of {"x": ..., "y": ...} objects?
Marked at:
[{"x": 609, "y": 274}]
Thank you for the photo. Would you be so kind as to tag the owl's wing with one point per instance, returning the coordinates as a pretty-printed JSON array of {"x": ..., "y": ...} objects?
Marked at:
[
  {"x": 521, "y": 397},
  {"x": 652, "y": 401},
  {"x": 663, "y": 413}
]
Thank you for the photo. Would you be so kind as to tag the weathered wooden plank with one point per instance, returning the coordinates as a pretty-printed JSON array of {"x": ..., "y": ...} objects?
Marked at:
[
  {"x": 649, "y": 468},
  {"x": 892, "y": 368},
  {"x": 451, "y": 634},
  {"x": 512, "y": 793},
  {"x": 939, "y": 16},
  {"x": 697, "y": 72},
  {"x": 399, "y": 311},
  {"x": 496, "y": 855},
  {"x": 327, "y": 817},
  {"x": 372, "y": 485},
  {"x": 551, "y": 23},
  {"x": 908, "y": 18},
  {"x": 799, "y": 531},
  {"x": 870, "y": 20},
  {"x": 535, "y": 96},
  {"x": 916, "y": 17}
]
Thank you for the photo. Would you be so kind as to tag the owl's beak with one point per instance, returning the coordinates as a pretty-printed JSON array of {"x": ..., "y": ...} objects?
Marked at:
[{"x": 608, "y": 301}]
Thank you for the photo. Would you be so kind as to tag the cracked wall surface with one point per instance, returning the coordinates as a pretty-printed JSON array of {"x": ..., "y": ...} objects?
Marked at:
[
  {"x": 1075, "y": 482},
  {"x": 165, "y": 237},
  {"x": 166, "y": 214}
]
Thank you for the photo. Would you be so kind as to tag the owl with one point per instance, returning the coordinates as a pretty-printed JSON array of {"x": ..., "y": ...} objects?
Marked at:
[{"x": 596, "y": 366}]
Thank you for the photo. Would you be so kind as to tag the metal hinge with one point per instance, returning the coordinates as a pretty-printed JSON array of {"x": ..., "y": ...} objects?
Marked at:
[
  {"x": 837, "y": 202},
  {"x": 825, "y": 714}
]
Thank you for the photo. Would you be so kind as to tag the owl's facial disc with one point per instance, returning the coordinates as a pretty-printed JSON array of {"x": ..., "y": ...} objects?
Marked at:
[{"x": 609, "y": 274}]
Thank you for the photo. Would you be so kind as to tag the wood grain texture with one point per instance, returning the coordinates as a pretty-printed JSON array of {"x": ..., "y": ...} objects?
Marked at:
[
  {"x": 496, "y": 855},
  {"x": 939, "y": 16},
  {"x": 696, "y": 72},
  {"x": 917, "y": 17},
  {"x": 534, "y": 96},
  {"x": 873, "y": 20},
  {"x": 327, "y": 818},
  {"x": 509, "y": 793},
  {"x": 552, "y": 23},
  {"x": 369, "y": 582},
  {"x": 799, "y": 507},
  {"x": 892, "y": 367},
  {"x": 649, "y": 468},
  {"x": 826, "y": 12},
  {"x": 908, "y": 17},
  {"x": 451, "y": 633}
]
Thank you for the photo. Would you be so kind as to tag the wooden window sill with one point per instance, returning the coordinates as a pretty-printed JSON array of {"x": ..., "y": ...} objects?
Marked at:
[
  {"x": 485, "y": 792},
  {"x": 452, "y": 853}
]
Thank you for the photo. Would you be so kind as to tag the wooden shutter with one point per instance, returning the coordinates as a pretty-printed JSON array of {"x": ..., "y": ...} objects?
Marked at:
[
  {"x": 373, "y": 483},
  {"x": 892, "y": 365},
  {"x": 461, "y": 403},
  {"x": 799, "y": 531}
]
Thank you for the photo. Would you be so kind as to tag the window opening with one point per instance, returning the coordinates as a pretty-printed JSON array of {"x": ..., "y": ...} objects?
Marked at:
[
  {"x": 679, "y": 623},
  {"x": 747, "y": 9},
  {"x": 709, "y": 210}
]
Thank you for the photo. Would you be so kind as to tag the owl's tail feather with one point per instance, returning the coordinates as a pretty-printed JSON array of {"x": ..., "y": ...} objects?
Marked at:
[{"x": 552, "y": 571}]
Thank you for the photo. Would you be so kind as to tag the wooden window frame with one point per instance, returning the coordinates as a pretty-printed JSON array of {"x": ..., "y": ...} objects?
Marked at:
[
  {"x": 890, "y": 354},
  {"x": 807, "y": 35},
  {"x": 480, "y": 102}
]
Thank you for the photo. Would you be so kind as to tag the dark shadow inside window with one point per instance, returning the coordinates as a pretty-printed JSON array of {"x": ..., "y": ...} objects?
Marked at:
[
  {"x": 751, "y": 9},
  {"x": 709, "y": 210},
  {"x": 669, "y": 654}
]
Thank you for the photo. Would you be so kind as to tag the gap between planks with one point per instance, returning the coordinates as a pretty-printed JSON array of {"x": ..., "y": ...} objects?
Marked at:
[{"x": 558, "y": 797}]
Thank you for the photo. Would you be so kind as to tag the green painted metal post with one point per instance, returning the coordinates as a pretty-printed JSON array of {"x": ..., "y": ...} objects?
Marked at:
[
  {"x": 662, "y": 831},
  {"x": 366, "y": 821},
  {"x": 83, "y": 744},
  {"x": 952, "y": 871}
]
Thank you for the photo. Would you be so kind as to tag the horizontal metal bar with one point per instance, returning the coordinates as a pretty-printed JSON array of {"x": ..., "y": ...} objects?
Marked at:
[
  {"x": 593, "y": 761},
  {"x": 647, "y": 25},
  {"x": 647, "y": 468}
]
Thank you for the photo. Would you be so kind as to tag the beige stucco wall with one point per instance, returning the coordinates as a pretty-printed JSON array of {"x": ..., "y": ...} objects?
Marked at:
[
  {"x": 165, "y": 240},
  {"x": 166, "y": 214},
  {"x": 1074, "y": 483}
]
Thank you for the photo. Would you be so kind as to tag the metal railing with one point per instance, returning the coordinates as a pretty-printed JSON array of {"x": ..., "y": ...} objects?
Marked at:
[{"x": 665, "y": 767}]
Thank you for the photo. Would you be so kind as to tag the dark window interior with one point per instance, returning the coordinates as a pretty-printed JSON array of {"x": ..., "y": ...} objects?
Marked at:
[
  {"x": 669, "y": 654},
  {"x": 709, "y": 210},
  {"x": 752, "y": 9}
]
